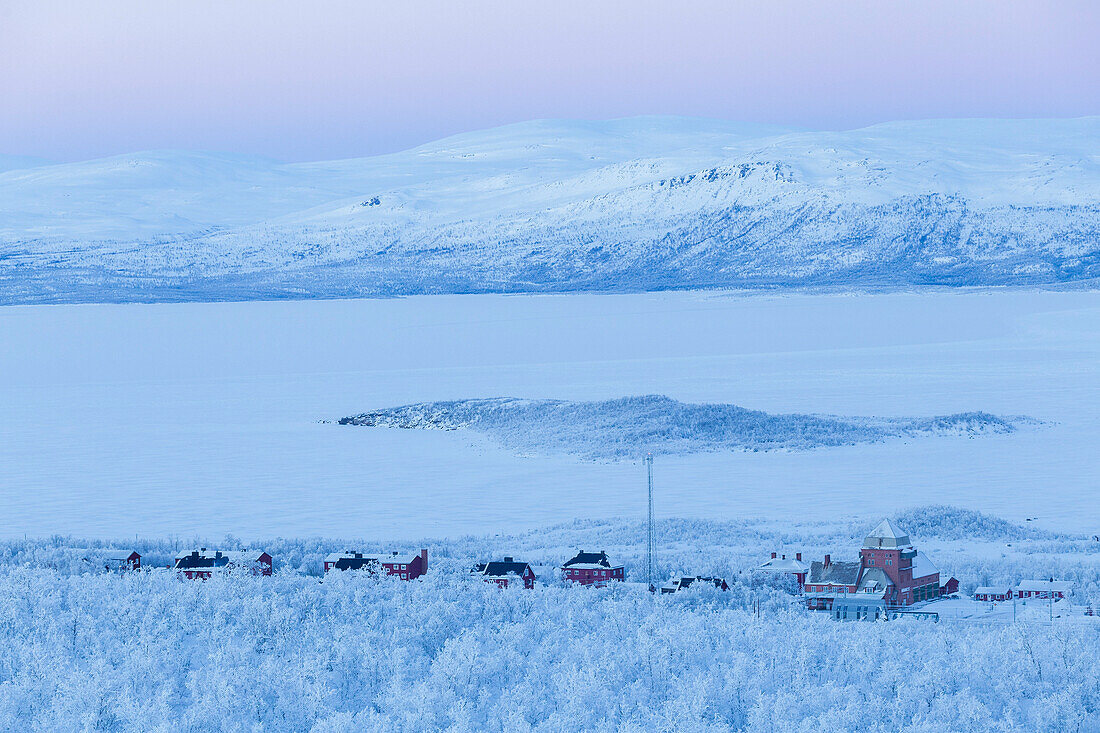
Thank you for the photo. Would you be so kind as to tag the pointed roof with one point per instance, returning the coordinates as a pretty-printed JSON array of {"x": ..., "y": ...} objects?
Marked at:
[
  {"x": 837, "y": 572},
  {"x": 875, "y": 580},
  {"x": 589, "y": 560},
  {"x": 886, "y": 535},
  {"x": 784, "y": 565},
  {"x": 502, "y": 568}
]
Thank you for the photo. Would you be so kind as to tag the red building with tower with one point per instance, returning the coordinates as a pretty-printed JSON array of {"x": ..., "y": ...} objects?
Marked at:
[
  {"x": 405, "y": 568},
  {"x": 890, "y": 573},
  {"x": 592, "y": 568}
]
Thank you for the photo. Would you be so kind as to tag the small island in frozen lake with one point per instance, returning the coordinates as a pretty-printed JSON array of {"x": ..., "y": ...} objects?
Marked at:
[{"x": 631, "y": 426}]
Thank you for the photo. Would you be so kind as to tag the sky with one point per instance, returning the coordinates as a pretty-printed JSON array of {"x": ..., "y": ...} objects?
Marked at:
[{"x": 337, "y": 78}]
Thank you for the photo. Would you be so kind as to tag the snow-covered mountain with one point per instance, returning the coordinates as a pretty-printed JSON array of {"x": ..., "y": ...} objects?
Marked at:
[{"x": 634, "y": 204}]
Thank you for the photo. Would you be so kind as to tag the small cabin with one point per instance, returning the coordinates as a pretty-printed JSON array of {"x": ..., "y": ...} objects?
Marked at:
[
  {"x": 202, "y": 563},
  {"x": 393, "y": 564},
  {"x": 592, "y": 568},
  {"x": 991, "y": 593},
  {"x": 504, "y": 573},
  {"x": 1044, "y": 589},
  {"x": 680, "y": 584},
  {"x": 112, "y": 560}
]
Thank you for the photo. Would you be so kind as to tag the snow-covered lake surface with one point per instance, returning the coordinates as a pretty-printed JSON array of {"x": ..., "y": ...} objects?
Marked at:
[{"x": 205, "y": 419}]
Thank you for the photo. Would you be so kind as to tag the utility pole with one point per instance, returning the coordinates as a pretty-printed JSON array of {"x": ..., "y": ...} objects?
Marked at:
[{"x": 651, "y": 540}]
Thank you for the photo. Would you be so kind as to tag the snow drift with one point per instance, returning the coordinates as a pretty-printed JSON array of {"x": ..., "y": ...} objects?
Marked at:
[
  {"x": 632, "y": 426},
  {"x": 636, "y": 204}
]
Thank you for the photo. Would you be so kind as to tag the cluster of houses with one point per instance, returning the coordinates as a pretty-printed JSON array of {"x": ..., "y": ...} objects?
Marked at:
[{"x": 889, "y": 574}]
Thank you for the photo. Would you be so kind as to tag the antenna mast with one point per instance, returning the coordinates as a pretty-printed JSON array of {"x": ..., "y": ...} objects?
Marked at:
[{"x": 651, "y": 541}]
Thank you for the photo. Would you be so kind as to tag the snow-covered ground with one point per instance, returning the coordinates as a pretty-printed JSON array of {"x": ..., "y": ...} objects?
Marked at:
[{"x": 206, "y": 419}]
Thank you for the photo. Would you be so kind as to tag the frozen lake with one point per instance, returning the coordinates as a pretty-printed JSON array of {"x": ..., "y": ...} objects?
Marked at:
[{"x": 204, "y": 419}]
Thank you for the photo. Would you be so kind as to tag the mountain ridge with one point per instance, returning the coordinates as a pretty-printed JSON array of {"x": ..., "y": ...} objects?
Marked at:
[{"x": 554, "y": 206}]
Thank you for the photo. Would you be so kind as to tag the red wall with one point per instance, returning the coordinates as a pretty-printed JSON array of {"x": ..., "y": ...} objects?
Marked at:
[{"x": 592, "y": 577}]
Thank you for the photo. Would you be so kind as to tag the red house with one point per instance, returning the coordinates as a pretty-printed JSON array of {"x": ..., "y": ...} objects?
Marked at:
[
  {"x": 889, "y": 569},
  {"x": 987, "y": 593},
  {"x": 828, "y": 580},
  {"x": 389, "y": 564},
  {"x": 505, "y": 572},
  {"x": 1044, "y": 589},
  {"x": 202, "y": 563},
  {"x": 591, "y": 568},
  {"x": 114, "y": 561}
]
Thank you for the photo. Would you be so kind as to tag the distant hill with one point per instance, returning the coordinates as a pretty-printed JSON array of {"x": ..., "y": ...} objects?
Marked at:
[
  {"x": 628, "y": 427},
  {"x": 20, "y": 162},
  {"x": 634, "y": 204}
]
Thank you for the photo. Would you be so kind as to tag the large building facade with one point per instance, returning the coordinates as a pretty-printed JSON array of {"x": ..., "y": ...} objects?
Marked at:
[{"x": 890, "y": 573}]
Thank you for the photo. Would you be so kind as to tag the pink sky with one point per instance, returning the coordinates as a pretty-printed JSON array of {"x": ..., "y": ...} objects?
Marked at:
[{"x": 333, "y": 78}]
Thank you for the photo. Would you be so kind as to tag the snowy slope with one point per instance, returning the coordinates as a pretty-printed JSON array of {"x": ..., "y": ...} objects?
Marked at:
[{"x": 637, "y": 204}]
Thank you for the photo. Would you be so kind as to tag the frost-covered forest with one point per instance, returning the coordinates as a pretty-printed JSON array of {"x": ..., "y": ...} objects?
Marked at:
[{"x": 83, "y": 649}]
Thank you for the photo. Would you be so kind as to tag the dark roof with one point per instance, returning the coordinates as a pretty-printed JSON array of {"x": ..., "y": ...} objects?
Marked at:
[
  {"x": 841, "y": 573},
  {"x": 204, "y": 560},
  {"x": 501, "y": 568},
  {"x": 716, "y": 582},
  {"x": 590, "y": 558},
  {"x": 356, "y": 562}
]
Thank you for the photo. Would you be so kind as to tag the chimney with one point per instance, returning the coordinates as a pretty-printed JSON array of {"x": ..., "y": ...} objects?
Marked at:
[
  {"x": 828, "y": 561},
  {"x": 784, "y": 557},
  {"x": 423, "y": 561},
  {"x": 508, "y": 558},
  {"x": 798, "y": 556},
  {"x": 773, "y": 556}
]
